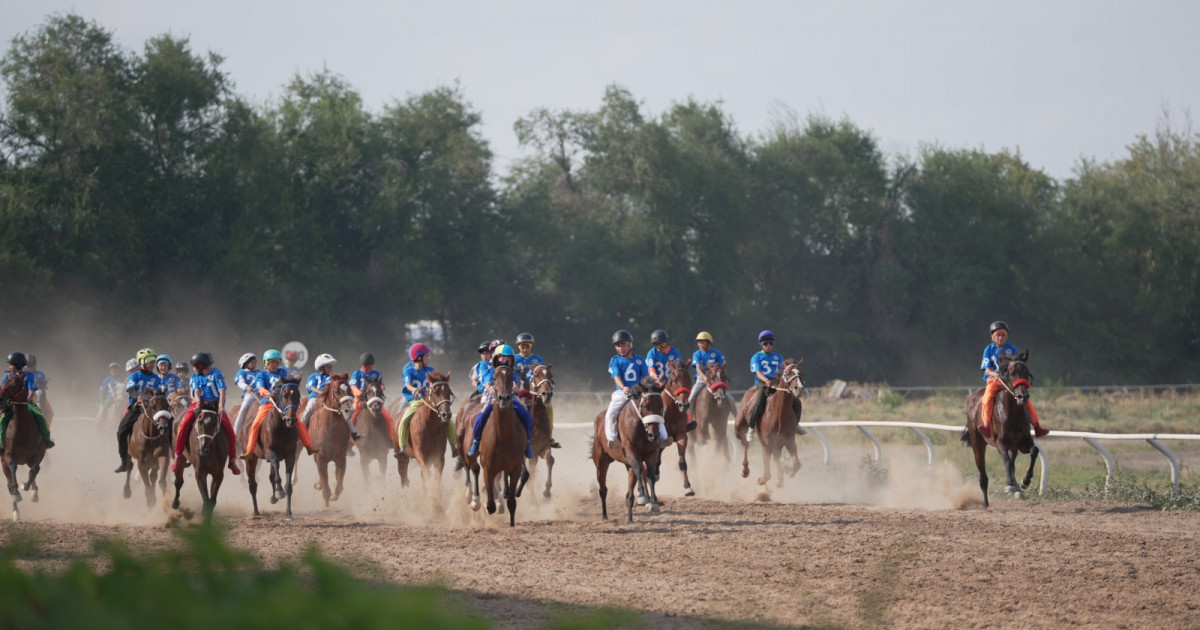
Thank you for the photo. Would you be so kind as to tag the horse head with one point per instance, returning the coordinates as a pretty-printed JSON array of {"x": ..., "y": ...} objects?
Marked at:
[
  {"x": 791, "y": 377},
  {"x": 679, "y": 382},
  {"x": 1017, "y": 376},
  {"x": 13, "y": 388},
  {"x": 717, "y": 380},
  {"x": 288, "y": 401},
  {"x": 440, "y": 397},
  {"x": 156, "y": 407},
  {"x": 373, "y": 393},
  {"x": 542, "y": 383},
  {"x": 649, "y": 405},
  {"x": 502, "y": 384},
  {"x": 208, "y": 425}
]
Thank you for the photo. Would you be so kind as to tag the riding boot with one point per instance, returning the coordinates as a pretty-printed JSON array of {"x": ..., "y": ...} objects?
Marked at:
[
  {"x": 459, "y": 462},
  {"x": 691, "y": 424},
  {"x": 179, "y": 463},
  {"x": 124, "y": 467},
  {"x": 474, "y": 450},
  {"x": 233, "y": 467}
]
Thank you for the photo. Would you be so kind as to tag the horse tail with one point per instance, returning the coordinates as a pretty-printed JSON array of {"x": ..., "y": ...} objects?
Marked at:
[{"x": 966, "y": 437}]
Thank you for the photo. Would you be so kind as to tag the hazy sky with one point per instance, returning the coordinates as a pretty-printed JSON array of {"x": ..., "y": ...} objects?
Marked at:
[{"x": 1056, "y": 80}]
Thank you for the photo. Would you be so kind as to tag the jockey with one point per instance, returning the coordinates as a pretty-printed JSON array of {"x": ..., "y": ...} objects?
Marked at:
[
  {"x": 992, "y": 378},
  {"x": 481, "y": 368},
  {"x": 704, "y": 358},
  {"x": 416, "y": 381},
  {"x": 660, "y": 355},
  {"x": 245, "y": 377},
  {"x": 290, "y": 359},
  {"x": 317, "y": 382},
  {"x": 140, "y": 379},
  {"x": 110, "y": 387},
  {"x": 626, "y": 369},
  {"x": 526, "y": 362},
  {"x": 182, "y": 371},
  {"x": 766, "y": 365},
  {"x": 504, "y": 356},
  {"x": 171, "y": 383},
  {"x": 16, "y": 369},
  {"x": 41, "y": 385},
  {"x": 207, "y": 383},
  {"x": 358, "y": 385},
  {"x": 268, "y": 382}
]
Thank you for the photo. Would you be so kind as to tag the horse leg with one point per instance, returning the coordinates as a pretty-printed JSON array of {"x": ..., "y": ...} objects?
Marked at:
[
  {"x": 290, "y": 465},
  {"x": 277, "y": 480},
  {"x": 164, "y": 464},
  {"x": 339, "y": 473},
  {"x": 549, "y": 473},
  {"x": 149, "y": 478},
  {"x": 216, "y": 487},
  {"x": 252, "y": 480},
  {"x": 778, "y": 457},
  {"x": 766, "y": 476},
  {"x": 473, "y": 473},
  {"x": 178, "y": 485},
  {"x": 745, "y": 455},
  {"x": 1010, "y": 466},
  {"x": 1033, "y": 455},
  {"x": 489, "y": 482},
  {"x": 523, "y": 479},
  {"x": 634, "y": 478},
  {"x": 687, "y": 483},
  {"x": 128, "y": 492},
  {"x": 202, "y": 481},
  {"x": 402, "y": 468},
  {"x": 510, "y": 494},
  {"x": 979, "y": 446},
  {"x": 602, "y": 480},
  {"x": 790, "y": 445},
  {"x": 323, "y": 473},
  {"x": 32, "y": 482}
]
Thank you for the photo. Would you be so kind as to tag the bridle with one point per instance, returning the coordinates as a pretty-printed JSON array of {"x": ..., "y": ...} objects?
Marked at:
[
  {"x": 681, "y": 394},
  {"x": 542, "y": 376},
  {"x": 441, "y": 407},
  {"x": 159, "y": 421}
]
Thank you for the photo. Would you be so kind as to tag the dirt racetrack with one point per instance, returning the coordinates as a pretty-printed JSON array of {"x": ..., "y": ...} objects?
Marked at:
[{"x": 828, "y": 549}]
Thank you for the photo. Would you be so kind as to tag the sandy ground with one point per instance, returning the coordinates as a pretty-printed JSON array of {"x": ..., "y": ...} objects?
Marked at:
[{"x": 833, "y": 547}]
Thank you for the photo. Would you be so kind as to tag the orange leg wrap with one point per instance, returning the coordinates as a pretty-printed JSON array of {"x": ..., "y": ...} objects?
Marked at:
[
  {"x": 391, "y": 424},
  {"x": 988, "y": 404},
  {"x": 1033, "y": 417},
  {"x": 302, "y": 431},
  {"x": 252, "y": 442}
]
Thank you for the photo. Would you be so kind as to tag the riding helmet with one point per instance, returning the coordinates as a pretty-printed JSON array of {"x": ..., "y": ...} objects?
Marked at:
[
  {"x": 659, "y": 336},
  {"x": 131, "y": 365},
  {"x": 484, "y": 346},
  {"x": 622, "y": 335},
  {"x": 292, "y": 355},
  {"x": 505, "y": 351},
  {"x": 146, "y": 355},
  {"x": 114, "y": 366},
  {"x": 524, "y": 338},
  {"x": 246, "y": 358},
  {"x": 997, "y": 325},
  {"x": 495, "y": 343},
  {"x": 704, "y": 336},
  {"x": 766, "y": 335},
  {"x": 417, "y": 350},
  {"x": 202, "y": 359},
  {"x": 164, "y": 358},
  {"x": 323, "y": 360},
  {"x": 17, "y": 360},
  {"x": 366, "y": 358},
  {"x": 272, "y": 355},
  {"x": 31, "y": 359},
  {"x": 180, "y": 366}
]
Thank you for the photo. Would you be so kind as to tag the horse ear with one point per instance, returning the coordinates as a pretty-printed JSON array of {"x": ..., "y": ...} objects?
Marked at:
[
  {"x": 447, "y": 374},
  {"x": 1024, "y": 356},
  {"x": 800, "y": 362}
]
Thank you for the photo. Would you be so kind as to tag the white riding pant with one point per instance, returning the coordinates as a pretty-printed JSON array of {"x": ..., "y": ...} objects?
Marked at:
[
  {"x": 240, "y": 421},
  {"x": 614, "y": 411}
]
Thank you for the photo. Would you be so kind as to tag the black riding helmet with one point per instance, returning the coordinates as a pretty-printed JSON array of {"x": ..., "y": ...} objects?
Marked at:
[
  {"x": 17, "y": 360},
  {"x": 622, "y": 335},
  {"x": 524, "y": 338},
  {"x": 484, "y": 346},
  {"x": 997, "y": 325},
  {"x": 202, "y": 359},
  {"x": 366, "y": 359},
  {"x": 659, "y": 336}
]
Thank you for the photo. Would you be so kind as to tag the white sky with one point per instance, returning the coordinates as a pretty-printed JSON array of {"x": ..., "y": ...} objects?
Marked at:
[{"x": 1055, "y": 79}]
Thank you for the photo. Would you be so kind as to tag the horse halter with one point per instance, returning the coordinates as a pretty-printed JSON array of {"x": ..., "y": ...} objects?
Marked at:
[
  {"x": 680, "y": 395},
  {"x": 375, "y": 401},
  {"x": 288, "y": 419},
  {"x": 159, "y": 419},
  {"x": 1020, "y": 387},
  {"x": 441, "y": 407},
  {"x": 718, "y": 389}
]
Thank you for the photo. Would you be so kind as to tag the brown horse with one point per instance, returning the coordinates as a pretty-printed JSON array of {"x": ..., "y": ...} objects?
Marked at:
[
  {"x": 277, "y": 443},
  {"x": 1010, "y": 425},
  {"x": 675, "y": 402},
  {"x": 638, "y": 447},
  {"x": 541, "y": 387},
  {"x": 501, "y": 449},
  {"x": 23, "y": 443},
  {"x": 207, "y": 451},
  {"x": 178, "y": 402},
  {"x": 331, "y": 435},
  {"x": 375, "y": 444},
  {"x": 428, "y": 431},
  {"x": 150, "y": 443},
  {"x": 713, "y": 408},
  {"x": 779, "y": 425}
]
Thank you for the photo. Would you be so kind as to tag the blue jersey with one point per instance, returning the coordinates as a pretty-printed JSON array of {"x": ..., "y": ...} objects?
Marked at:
[
  {"x": 139, "y": 381},
  {"x": 703, "y": 360},
  {"x": 630, "y": 370},
  {"x": 412, "y": 374},
  {"x": 768, "y": 363},
  {"x": 109, "y": 388},
  {"x": 992, "y": 354},
  {"x": 477, "y": 373},
  {"x": 359, "y": 378},
  {"x": 39, "y": 379},
  {"x": 30, "y": 382},
  {"x": 658, "y": 360},
  {"x": 171, "y": 383},
  {"x": 490, "y": 377},
  {"x": 245, "y": 379},
  {"x": 210, "y": 385},
  {"x": 316, "y": 382},
  {"x": 525, "y": 365},
  {"x": 269, "y": 381}
]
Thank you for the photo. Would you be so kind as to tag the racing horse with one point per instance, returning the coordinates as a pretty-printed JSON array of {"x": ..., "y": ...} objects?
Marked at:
[
  {"x": 150, "y": 443},
  {"x": 375, "y": 444},
  {"x": 638, "y": 446},
  {"x": 712, "y": 409},
  {"x": 23, "y": 443},
  {"x": 501, "y": 449},
  {"x": 331, "y": 435},
  {"x": 541, "y": 390},
  {"x": 1010, "y": 425},
  {"x": 675, "y": 412},
  {"x": 178, "y": 402},
  {"x": 780, "y": 423},
  {"x": 277, "y": 443},
  {"x": 429, "y": 433},
  {"x": 207, "y": 451}
]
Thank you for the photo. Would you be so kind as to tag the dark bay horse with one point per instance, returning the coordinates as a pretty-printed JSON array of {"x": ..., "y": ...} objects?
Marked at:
[
  {"x": 23, "y": 443},
  {"x": 375, "y": 444},
  {"x": 713, "y": 409},
  {"x": 428, "y": 433},
  {"x": 638, "y": 446},
  {"x": 277, "y": 443},
  {"x": 1010, "y": 425},
  {"x": 779, "y": 425},
  {"x": 541, "y": 389},
  {"x": 207, "y": 451},
  {"x": 501, "y": 449},
  {"x": 675, "y": 411},
  {"x": 150, "y": 443},
  {"x": 331, "y": 435}
]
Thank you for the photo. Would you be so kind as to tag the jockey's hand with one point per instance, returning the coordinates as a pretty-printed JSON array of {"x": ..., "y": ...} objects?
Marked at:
[{"x": 625, "y": 390}]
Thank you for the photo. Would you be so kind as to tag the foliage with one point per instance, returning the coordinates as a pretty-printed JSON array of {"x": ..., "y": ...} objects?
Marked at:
[{"x": 1128, "y": 488}]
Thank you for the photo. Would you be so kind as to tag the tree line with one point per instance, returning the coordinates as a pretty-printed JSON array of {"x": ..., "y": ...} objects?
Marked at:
[{"x": 127, "y": 173}]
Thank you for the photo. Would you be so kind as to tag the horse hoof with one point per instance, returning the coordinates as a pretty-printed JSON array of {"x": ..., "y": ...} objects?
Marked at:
[
  {"x": 474, "y": 505},
  {"x": 34, "y": 499},
  {"x": 689, "y": 493},
  {"x": 273, "y": 500},
  {"x": 546, "y": 494},
  {"x": 654, "y": 508},
  {"x": 745, "y": 473},
  {"x": 491, "y": 509},
  {"x": 762, "y": 482},
  {"x": 641, "y": 500},
  {"x": 1012, "y": 489},
  {"x": 128, "y": 493}
]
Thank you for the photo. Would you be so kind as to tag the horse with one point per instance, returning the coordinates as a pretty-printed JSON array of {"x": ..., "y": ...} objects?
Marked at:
[
  {"x": 178, "y": 402},
  {"x": 677, "y": 390},
  {"x": 150, "y": 443},
  {"x": 779, "y": 425},
  {"x": 331, "y": 435},
  {"x": 428, "y": 432},
  {"x": 1010, "y": 425},
  {"x": 207, "y": 451},
  {"x": 713, "y": 408},
  {"x": 501, "y": 449},
  {"x": 375, "y": 444},
  {"x": 23, "y": 443},
  {"x": 277, "y": 442},
  {"x": 541, "y": 389},
  {"x": 638, "y": 446}
]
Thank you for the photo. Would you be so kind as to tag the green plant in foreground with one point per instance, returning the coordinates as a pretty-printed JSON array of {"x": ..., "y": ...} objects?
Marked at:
[{"x": 1128, "y": 488}]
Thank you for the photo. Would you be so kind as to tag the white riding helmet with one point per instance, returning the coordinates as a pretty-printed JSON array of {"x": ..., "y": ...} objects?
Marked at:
[
  {"x": 131, "y": 365},
  {"x": 323, "y": 360},
  {"x": 246, "y": 357}
]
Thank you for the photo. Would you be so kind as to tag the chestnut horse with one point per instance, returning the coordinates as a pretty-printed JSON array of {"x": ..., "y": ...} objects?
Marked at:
[
  {"x": 207, "y": 451},
  {"x": 23, "y": 443},
  {"x": 779, "y": 425},
  {"x": 277, "y": 442},
  {"x": 501, "y": 449},
  {"x": 330, "y": 435},
  {"x": 713, "y": 408},
  {"x": 541, "y": 389},
  {"x": 375, "y": 444},
  {"x": 675, "y": 402},
  {"x": 150, "y": 443},
  {"x": 178, "y": 402},
  {"x": 638, "y": 446},
  {"x": 1010, "y": 425},
  {"x": 429, "y": 432}
]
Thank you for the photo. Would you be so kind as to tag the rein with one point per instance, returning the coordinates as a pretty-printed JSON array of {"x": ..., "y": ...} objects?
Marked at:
[{"x": 201, "y": 436}]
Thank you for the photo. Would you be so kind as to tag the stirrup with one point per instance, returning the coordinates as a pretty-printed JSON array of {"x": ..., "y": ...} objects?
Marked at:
[
  {"x": 555, "y": 444},
  {"x": 246, "y": 456}
]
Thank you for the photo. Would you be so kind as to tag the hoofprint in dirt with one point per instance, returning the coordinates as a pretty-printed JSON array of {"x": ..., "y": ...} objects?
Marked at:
[{"x": 1036, "y": 564}]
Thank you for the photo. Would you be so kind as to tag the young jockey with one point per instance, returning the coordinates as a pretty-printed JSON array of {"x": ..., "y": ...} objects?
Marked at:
[
  {"x": 358, "y": 385},
  {"x": 317, "y": 382},
  {"x": 526, "y": 362},
  {"x": 290, "y": 359},
  {"x": 41, "y": 386},
  {"x": 416, "y": 380},
  {"x": 991, "y": 377},
  {"x": 182, "y": 371},
  {"x": 16, "y": 369},
  {"x": 266, "y": 383},
  {"x": 245, "y": 378},
  {"x": 504, "y": 356},
  {"x": 626, "y": 369},
  {"x": 110, "y": 388},
  {"x": 481, "y": 368},
  {"x": 765, "y": 365},
  {"x": 703, "y": 359},
  {"x": 140, "y": 379},
  {"x": 170, "y": 382},
  {"x": 661, "y": 353},
  {"x": 207, "y": 383}
]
